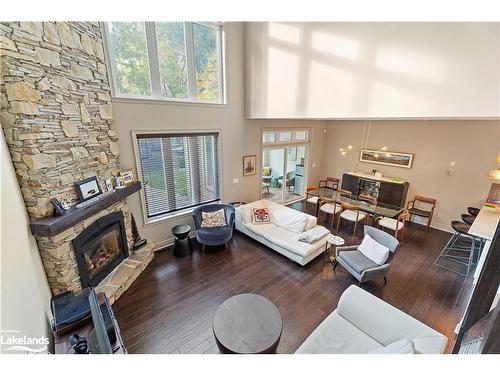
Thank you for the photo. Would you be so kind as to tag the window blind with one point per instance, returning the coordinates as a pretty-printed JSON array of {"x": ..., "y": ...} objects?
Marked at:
[{"x": 178, "y": 171}]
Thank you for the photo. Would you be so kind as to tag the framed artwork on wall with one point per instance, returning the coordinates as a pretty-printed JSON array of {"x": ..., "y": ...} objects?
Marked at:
[
  {"x": 395, "y": 159},
  {"x": 249, "y": 162}
]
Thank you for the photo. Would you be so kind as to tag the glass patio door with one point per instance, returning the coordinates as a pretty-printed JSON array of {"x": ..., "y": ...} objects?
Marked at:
[{"x": 284, "y": 167}]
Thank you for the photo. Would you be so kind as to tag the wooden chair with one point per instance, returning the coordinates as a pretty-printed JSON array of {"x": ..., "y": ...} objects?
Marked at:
[
  {"x": 397, "y": 225},
  {"x": 351, "y": 212},
  {"x": 367, "y": 198},
  {"x": 330, "y": 206},
  {"x": 330, "y": 183},
  {"x": 414, "y": 208}
]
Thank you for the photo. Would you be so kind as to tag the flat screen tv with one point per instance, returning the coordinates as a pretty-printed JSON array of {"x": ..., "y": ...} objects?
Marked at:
[{"x": 99, "y": 340}]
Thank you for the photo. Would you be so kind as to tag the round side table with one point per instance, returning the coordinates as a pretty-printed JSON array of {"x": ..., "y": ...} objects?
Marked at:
[
  {"x": 332, "y": 241},
  {"x": 182, "y": 244}
]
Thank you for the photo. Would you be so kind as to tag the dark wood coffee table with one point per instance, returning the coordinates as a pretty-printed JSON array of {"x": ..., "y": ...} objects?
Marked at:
[{"x": 247, "y": 324}]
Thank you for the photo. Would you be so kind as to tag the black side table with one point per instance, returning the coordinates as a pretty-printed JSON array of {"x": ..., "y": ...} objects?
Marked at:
[{"x": 182, "y": 244}]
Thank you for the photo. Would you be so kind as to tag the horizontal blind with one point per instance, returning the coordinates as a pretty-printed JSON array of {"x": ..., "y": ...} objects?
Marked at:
[{"x": 178, "y": 171}]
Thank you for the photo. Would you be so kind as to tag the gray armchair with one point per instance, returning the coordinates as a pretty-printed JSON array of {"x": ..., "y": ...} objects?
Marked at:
[{"x": 361, "y": 267}]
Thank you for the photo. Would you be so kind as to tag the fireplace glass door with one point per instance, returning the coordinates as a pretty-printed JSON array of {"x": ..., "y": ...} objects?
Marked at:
[{"x": 102, "y": 251}]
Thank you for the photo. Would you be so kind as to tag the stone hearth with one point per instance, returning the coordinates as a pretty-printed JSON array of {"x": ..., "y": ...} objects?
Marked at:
[{"x": 56, "y": 115}]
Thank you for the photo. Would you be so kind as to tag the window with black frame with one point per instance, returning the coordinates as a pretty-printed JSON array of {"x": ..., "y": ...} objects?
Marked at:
[{"x": 179, "y": 171}]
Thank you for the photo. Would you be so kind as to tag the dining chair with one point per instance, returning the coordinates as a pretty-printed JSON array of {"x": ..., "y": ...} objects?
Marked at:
[
  {"x": 352, "y": 213},
  {"x": 414, "y": 207},
  {"x": 330, "y": 206},
  {"x": 370, "y": 200},
  {"x": 329, "y": 183},
  {"x": 397, "y": 225}
]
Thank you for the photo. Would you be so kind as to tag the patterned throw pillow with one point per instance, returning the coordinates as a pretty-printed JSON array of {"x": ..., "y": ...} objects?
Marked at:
[
  {"x": 261, "y": 216},
  {"x": 213, "y": 219}
]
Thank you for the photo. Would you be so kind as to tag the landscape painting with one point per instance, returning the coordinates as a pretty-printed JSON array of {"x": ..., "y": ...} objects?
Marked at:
[{"x": 396, "y": 159}]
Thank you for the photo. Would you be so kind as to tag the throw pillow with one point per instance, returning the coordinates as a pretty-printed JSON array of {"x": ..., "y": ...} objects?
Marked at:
[
  {"x": 261, "y": 216},
  {"x": 290, "y": 219},
  {"x": 266, "y": 171},
  {"x": 403, "y": 346},
  {"x": 213, "y": 219},
  {"x": 373, "y": 250}
]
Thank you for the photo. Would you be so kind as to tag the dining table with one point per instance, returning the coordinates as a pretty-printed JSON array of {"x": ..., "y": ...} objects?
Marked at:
[{"x": 378, "y": 209}]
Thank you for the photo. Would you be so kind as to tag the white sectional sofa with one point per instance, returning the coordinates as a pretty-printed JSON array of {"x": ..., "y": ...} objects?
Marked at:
[
  {"x": 283, "y": 232},
  {"x": 363, "y": 323}
]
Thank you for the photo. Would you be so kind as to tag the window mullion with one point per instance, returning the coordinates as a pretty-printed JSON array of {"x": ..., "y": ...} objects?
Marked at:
[
  {"x": 154, "y": 64},
  {"x": 190, "y": 61}
]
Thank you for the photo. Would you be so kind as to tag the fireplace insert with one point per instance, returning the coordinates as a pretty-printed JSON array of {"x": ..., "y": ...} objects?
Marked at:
[{"x": 100, "y": 248}]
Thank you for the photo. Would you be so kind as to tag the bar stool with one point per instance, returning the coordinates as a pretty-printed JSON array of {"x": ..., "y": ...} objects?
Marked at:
[
  {"x": 465, "y": 254},
  {"x": 468, "y": 219},
  {"x": 473, "y": 210}
]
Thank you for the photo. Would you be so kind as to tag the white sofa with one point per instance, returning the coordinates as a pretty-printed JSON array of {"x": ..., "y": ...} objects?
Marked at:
[
  {"x": 363, "y": 323},
  {"x": 276, "y": 234}
]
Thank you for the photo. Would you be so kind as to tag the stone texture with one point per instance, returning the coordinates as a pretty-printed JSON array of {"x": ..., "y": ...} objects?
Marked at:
[
  {"x": 7, "y": 44},
  {"x": 65, "y": 35},
  {"x": 70, "y": 108},
  {"x": 33, "y": 28},
  {"x": 48, "y": 57},
  {"x": 87, "y": 44},
  {"x": 21, "y": 91},
  {"x": 103, "y": 158},
  {"x": 70, "y": 128},
  {"x": 81, "y": 71},
  {"x": 79, "y": 152},
  {"x": 39, "y": 161},
  {"x": 84, "y": 114},
  {"x": 43, "y": 84},
  {"x": 50, "y": 33},
  {"x": 106, "y": 112},
  {"x": 117, "y": 282},
  {"x": 51, "y": 118},
  {"x": 24, "y": 107}
]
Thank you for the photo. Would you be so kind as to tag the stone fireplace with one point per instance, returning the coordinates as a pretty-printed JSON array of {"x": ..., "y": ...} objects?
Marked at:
[{"x": 56, "y": 114}]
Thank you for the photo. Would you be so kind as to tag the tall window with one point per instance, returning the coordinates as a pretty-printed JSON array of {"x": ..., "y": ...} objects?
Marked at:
[
  {"x": 171, "y": 60},
  {"x": 179, "y": 171}
]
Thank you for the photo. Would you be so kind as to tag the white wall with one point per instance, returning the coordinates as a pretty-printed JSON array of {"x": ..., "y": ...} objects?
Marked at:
[
  {"x": 25, "y": 293},
  {"x": 239, "y": 137},
  {"x": 376, "y": 70}
]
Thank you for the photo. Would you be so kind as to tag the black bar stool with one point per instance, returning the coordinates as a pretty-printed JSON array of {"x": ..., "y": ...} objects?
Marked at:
[
  {"x": 473, "y": 210},
  {"x": 463, "y": 255},
  {"x": 468, "y": 219}
]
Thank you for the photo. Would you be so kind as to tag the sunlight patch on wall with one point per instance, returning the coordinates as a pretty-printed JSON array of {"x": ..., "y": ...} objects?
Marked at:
[
  {"x": 330, "y": 89},
  {"x": 410, "y": 63},
  {"x": 282, "y": 80},
  {"x": 335, "y": 45},
  {"x": 382, "y": 96},
  {"x": 284, "y": 33}
]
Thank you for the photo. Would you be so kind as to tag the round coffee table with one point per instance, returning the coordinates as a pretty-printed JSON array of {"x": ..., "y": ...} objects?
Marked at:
[
  {"x": 182, "y": 244},
  {"x": 247, "y": 324}
]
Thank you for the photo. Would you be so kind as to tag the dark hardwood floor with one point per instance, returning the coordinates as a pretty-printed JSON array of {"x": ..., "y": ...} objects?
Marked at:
[{"x": 169, "y": 308}]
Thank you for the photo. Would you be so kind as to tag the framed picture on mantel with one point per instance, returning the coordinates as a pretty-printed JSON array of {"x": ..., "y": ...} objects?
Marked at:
[{"x": 395, "y": 159}]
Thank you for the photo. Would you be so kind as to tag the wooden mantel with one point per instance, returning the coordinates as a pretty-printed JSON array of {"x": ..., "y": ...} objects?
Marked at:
[{"x": 51, "y": 226}]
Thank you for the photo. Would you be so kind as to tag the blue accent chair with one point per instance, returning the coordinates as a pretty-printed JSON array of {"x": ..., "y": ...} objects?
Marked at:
[{"x": 214, "y": 236}]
